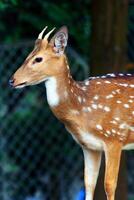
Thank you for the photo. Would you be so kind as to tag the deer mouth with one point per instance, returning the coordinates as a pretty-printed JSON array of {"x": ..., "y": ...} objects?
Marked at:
[{"x": 20, "y": 85}]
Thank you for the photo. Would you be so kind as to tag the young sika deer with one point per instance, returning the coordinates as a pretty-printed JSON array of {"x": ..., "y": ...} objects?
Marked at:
[{"x": 98, "y": 112}]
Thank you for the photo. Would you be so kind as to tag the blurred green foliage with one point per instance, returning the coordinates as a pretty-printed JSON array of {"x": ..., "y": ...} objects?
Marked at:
[
  {"x": 25, "y": 19},
  {"x": 5, "y": 3}
]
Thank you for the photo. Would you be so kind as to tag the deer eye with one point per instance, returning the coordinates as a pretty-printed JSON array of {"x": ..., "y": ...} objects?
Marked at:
[{"x": 38, "y": 59}]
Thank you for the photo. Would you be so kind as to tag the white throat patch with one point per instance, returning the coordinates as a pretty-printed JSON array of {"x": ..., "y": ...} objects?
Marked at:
[{"x": 51, "y": 89}]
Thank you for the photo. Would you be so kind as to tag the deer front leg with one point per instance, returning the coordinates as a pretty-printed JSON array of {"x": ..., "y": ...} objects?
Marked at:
[
  {"x": 92, "y": 160},
  {"x": 112, "y": 161}
]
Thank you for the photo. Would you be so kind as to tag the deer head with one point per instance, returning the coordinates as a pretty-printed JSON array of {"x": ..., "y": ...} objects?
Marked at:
[{"x": 46, "y": 60}]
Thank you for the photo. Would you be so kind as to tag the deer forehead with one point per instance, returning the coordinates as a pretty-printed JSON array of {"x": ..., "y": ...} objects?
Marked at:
[
  {"x": 41, "y": 44},
  {"x": 42, "y": 48}
]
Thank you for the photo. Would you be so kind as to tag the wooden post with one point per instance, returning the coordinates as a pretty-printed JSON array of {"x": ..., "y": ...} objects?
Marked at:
[{"x": 108, "y": 54}]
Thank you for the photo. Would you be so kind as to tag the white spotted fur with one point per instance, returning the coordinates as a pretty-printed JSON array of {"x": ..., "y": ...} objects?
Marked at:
[{"x": 99, "y": 127}]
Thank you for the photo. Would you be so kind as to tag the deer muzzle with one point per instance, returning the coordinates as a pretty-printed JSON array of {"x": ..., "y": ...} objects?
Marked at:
[{"x": 13, "y": 84}]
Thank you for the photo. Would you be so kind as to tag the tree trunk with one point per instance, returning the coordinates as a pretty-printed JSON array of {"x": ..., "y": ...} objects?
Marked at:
[
  {"x": 108, "y": 42},
  {"x": 108, "y": 54}
]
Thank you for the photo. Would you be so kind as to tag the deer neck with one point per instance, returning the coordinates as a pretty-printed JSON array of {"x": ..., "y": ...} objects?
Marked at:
[
  {"x": 62, "y": 90},
  {"x": 53, "y": 97},
  {"x": 58, "y": 88}
]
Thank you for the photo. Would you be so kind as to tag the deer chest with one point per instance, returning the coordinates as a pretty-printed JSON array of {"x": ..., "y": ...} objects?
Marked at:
[{"x": 86, "y": 139}]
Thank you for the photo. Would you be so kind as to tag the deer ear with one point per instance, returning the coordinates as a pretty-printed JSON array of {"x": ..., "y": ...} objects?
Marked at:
[{"x": 59, "y": 40}]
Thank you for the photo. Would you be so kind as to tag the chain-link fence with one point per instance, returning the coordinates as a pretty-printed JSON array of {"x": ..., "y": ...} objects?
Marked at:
[{"x": 38, "y": 159}]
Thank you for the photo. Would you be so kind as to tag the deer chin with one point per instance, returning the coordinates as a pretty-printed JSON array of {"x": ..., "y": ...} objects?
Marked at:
[
  {"x": 39, "y": 81},
  {"x": 24, "y": 84},
  {"x": 20, "y": 85}
]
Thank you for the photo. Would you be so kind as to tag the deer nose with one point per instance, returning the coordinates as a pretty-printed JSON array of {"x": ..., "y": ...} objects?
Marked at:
[{"x": 11, "y": 82}]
